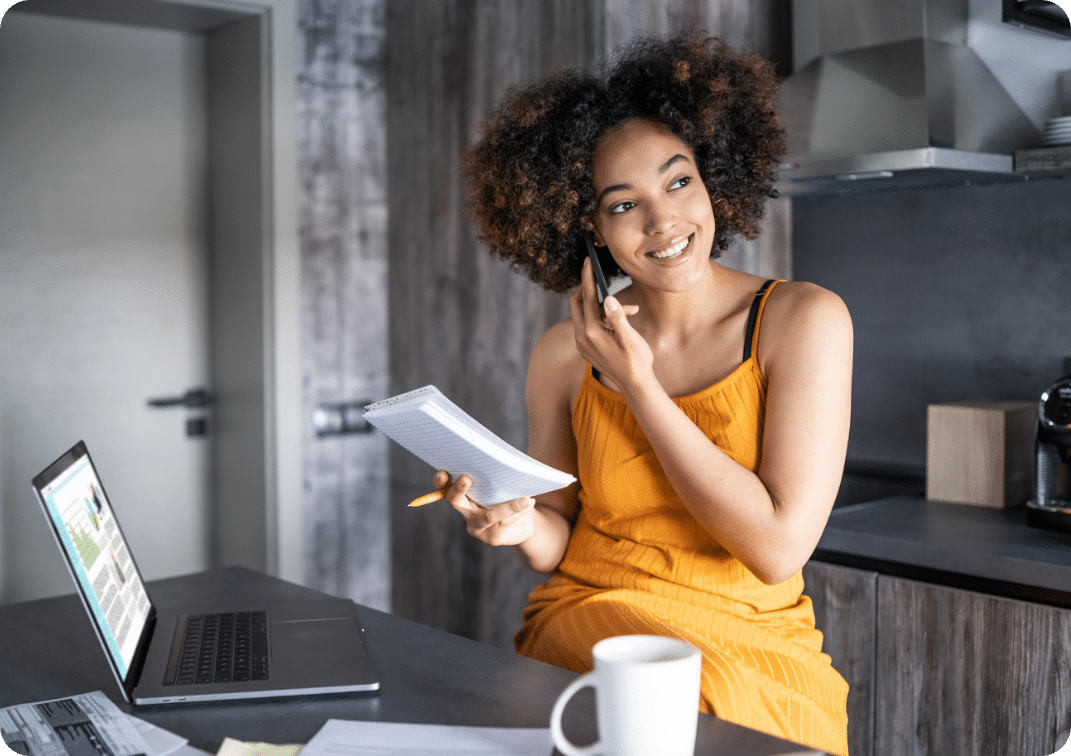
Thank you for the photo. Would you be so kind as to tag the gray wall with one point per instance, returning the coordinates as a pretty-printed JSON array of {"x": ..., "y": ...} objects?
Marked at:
[
  {"x": 954, "y": 293},
  {"x": 103, "y": 292}
]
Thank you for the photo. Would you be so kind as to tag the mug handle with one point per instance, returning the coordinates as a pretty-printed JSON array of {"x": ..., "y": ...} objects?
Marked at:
[{"x": 560, "y": 741}]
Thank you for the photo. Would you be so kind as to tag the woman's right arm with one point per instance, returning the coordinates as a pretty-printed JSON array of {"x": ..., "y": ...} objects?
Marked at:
[{"x": 538, "y": 528}]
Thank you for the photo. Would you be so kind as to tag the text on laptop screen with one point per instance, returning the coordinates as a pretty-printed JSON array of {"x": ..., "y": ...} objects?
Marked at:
[{"x": 99, "y": 557}]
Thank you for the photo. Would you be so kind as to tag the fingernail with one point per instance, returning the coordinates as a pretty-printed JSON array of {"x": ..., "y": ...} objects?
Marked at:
[{"x": 610, "y": 304}]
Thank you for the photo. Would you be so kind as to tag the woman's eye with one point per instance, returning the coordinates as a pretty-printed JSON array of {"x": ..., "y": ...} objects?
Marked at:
[
  {"x": 681, "y": 182},
  {"x": 621, "y": 207}
]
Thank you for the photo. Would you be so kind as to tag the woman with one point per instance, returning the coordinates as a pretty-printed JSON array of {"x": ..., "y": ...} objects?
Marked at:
[{"x": 704, "y": 412}]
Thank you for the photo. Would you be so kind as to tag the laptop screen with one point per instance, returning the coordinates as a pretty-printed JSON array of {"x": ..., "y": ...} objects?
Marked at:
[{"x": 98, "y": 555}]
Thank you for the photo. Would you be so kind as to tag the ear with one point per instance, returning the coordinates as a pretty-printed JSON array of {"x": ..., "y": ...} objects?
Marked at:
[{"x": 597, "y": 237}]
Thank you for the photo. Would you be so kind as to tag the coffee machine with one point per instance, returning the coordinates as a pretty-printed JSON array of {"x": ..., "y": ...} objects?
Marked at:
[{"x": 1051, "y": 506}]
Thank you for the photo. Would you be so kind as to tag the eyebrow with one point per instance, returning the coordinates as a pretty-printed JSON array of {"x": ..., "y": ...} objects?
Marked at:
[{"x": 661, "y": 169}]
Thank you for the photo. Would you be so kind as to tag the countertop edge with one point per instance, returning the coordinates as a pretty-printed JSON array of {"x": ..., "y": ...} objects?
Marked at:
[{"x": 1011, "y": 559}]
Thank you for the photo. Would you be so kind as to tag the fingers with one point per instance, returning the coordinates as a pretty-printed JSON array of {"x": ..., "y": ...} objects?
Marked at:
[
  {"x": 616, "y": 320},
  {"x": 506, "y": 524},
  {"x": 457, "y": 493},
  {"x": 503, "y": 524}
]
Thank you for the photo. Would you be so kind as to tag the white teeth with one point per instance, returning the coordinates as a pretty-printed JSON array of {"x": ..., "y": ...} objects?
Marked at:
[{"x": 673, "y": 251}]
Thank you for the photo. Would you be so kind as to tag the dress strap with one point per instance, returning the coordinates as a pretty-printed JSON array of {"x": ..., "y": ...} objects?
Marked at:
[{"x": 751, "y": 337}]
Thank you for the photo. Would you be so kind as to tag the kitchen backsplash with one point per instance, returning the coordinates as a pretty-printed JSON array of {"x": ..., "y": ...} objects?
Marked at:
[{"x": 954, "y": 294}]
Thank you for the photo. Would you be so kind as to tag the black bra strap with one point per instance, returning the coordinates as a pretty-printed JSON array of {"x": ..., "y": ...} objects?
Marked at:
[{"x": 753, "y": 317}]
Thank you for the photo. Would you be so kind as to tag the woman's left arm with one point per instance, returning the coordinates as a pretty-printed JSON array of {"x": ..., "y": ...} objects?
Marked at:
[{"x": 770, "y": 520}]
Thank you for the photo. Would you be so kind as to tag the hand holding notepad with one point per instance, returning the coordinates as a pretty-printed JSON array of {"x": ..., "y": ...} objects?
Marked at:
[{"x": 442, "y": 434}]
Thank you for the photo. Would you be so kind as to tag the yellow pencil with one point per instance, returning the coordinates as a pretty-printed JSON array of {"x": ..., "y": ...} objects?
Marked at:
[{"x": 429, "y": 498}]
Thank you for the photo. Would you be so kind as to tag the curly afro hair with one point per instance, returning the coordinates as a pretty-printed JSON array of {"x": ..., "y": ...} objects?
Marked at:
[{"x": 529, "y": 175}]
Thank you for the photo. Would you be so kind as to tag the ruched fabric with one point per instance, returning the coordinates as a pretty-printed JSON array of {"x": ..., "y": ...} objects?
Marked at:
[{"x": 638, "y": 562}]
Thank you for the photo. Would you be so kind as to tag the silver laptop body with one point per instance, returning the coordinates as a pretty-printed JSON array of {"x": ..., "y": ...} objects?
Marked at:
[{"x": 201, "y": 653}]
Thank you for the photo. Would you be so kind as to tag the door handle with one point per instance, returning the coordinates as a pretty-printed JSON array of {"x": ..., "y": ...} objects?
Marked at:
[
  {"x": 197, "y": 398},
  {"x": 192, "y": 399}
]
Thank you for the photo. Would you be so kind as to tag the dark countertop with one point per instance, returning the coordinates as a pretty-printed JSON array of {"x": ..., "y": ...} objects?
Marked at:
[
  {"x": 47, "y": 651},
  {"x": 959, "y": 545}
]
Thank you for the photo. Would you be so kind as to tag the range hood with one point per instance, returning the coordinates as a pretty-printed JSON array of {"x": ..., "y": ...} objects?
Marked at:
[{"x": 888, "y": 95}]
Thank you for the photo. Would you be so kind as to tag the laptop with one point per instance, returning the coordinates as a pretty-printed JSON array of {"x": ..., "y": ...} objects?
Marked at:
[{"x": 197, "y": 653}]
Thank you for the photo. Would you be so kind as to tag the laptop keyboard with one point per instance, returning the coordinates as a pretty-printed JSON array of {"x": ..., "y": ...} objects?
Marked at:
[{"x": 222, "y": 648}]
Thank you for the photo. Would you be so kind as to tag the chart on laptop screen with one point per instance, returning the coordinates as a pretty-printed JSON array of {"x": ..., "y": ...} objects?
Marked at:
[{"x": 99, "y": 558}]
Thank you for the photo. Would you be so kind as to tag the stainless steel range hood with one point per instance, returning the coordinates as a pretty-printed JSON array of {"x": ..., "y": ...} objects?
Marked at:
[{"x": 888, "y": 95}]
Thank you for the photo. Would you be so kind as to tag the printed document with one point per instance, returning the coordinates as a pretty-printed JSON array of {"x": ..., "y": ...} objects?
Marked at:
[
  {"x": 345, "y": 738},
  {"x": 85, "y": 724}
]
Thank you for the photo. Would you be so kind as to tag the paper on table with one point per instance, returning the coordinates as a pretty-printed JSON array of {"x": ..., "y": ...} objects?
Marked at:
[
  {"x": 160, "y": 741},
  {"x": 68, "y": 727},
  {"x": 345, "y": 738},
  {"x": 232, "y": 747}
]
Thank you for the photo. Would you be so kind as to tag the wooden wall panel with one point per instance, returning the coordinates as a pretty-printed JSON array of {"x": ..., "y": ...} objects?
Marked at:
[
  {"x": 969, "y": 674},
  {"x": 763, "y": 26},
  {"x": 845, "y": 610},
  {"x": 459, "y": 318}
]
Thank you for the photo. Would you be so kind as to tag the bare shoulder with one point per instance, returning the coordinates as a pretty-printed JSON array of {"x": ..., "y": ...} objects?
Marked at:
[
  {"x": 803, "y": 316},
  {"x": 556, "y": 369}
]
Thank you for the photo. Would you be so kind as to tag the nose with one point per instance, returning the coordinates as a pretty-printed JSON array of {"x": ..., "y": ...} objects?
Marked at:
[{"x": 662, "y": 217}]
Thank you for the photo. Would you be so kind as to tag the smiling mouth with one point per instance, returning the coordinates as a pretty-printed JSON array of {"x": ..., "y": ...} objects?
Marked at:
[{"x": 674, "y": 250}]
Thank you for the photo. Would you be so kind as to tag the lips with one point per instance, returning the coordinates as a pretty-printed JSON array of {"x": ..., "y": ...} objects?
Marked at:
[{"x": 674, "y": 250}]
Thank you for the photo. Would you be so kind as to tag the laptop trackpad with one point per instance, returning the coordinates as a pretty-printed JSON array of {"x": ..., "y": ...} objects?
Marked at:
[{"x": 323, "y": 647}]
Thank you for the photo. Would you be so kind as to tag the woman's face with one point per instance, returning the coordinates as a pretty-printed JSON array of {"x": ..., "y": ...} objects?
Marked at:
[{"x": 653, "y": 210}]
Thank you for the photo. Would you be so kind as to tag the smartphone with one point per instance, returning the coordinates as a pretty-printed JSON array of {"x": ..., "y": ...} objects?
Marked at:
[{"x": 600, "y": 279}]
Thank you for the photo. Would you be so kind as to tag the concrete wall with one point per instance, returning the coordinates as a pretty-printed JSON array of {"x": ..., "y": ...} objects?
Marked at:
[
  {"x": 342, "y": 143},
  {"x": 954, "y": 293}
]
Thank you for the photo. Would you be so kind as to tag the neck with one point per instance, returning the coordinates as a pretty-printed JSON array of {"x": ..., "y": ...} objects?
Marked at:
[{"x": 678, "y": 315}]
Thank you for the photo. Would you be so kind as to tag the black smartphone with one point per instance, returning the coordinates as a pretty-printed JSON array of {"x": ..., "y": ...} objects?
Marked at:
[{"x": 600, "y": 279}]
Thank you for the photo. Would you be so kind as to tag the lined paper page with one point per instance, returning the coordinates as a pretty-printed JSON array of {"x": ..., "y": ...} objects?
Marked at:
[{"x": 442, "y": 434}]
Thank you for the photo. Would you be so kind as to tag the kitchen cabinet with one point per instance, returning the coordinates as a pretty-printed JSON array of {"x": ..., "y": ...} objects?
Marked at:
[
  {"x": 845, "y": 610},
  {"x": 966, "y": 673},
  {"x": 942, "y": 670}
]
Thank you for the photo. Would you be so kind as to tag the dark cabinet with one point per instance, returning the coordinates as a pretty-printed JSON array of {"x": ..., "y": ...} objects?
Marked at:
[
  {"x": 845, "y": 601},
  {"x": 938, "y": 670},
  {"x": 966, "y": 673}
]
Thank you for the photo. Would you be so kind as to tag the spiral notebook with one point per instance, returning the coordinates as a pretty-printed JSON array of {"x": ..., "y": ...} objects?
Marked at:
[{"x": 432, "y": 427}]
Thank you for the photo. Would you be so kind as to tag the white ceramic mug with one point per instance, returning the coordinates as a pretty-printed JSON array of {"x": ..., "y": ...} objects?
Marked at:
[{"x": 646, "y": 698}]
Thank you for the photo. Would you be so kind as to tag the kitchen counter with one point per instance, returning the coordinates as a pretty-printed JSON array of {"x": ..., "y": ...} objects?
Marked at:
[{"x": 963, "y": 546}]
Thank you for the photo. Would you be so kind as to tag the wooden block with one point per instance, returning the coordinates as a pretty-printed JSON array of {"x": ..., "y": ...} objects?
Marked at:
[{"x": 981, "y": 452}]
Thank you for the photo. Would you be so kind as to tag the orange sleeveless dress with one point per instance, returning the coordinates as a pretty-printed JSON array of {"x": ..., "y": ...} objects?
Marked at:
[{"x": 638, "y": 562}]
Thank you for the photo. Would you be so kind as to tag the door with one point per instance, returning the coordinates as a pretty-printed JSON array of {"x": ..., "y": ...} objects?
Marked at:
[{"x": 103, "y": 288}]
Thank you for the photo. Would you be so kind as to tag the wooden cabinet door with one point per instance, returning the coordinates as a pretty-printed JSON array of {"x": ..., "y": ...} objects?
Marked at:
[
  {"x": 964, "y": 673},
  {"x": 845, "y": 611}
]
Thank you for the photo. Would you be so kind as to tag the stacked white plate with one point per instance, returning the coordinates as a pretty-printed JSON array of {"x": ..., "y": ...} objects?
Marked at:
[{"x": 1057, "y": 132}]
